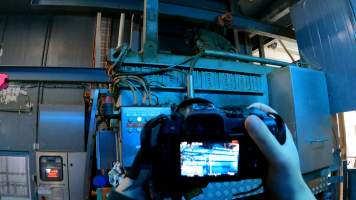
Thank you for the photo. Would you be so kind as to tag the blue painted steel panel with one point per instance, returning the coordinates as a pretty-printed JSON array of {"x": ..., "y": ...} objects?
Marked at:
[
  {"x": 353, "y": 5},
  {"x": 325, "y": 32},
  {"x": 61, "y": 128},
  {"x": 132, "y": 121},
  {"x": 105, "y": 149},
  {"x": 351, "y": 175}
]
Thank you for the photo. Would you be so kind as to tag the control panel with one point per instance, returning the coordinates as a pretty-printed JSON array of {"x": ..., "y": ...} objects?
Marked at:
[
  {"x": 132, "y": 121},
  {"x": 51, "y": 168},
  {"x": 60, "y": 175},
  {"x": 52, "y": 173}
]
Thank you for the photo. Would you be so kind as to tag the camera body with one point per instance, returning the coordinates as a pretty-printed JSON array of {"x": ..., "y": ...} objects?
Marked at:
[{"x": 199, "y": 143}]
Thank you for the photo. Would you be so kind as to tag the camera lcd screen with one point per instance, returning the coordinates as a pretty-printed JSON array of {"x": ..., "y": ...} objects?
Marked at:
[{"x": 206, "y": 159}]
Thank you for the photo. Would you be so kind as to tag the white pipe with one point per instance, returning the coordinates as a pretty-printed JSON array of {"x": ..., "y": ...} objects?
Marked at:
[
  {"x": 98, "y": 58},
  {"x": 190, "y": 85},
  {"x": 132, "y": 29},
  {"x": 121, "y": 30}
]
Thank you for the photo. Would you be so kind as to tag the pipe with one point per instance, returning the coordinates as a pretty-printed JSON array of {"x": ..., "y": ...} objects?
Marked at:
[
  {"x": 121, "y": 30},
  {"x": 235, "y": 56},
  {"x": 286, "y": 50},
  {"x": 132, "y": 30},
  {"x": 190, "y": 85},
  {"x": 98, "y": 41}
]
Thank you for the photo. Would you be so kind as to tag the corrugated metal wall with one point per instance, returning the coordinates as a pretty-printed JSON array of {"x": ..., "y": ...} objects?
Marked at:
[
  {"x": 71, "y": 41},
  {"x": 326, "y": 38},
  {"x": 23, "y": 39},
  {"x": 47, "y": 40},
  {"x": 41, "y": 40}
]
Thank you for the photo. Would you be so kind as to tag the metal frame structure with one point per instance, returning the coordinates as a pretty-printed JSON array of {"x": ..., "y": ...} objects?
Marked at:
[
  {"x": 150, "y": 28},
  {"x": 170, "y": 9},
  {"x": 150, "y": 57},
  {"x": 230, "y": 65},
  {"x": 55, "y": 74},
  {"x": 90, "y": 142}
]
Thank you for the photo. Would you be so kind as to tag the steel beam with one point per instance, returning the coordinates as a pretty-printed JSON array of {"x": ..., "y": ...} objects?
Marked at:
[
  {"x": 150, "y": 29},
  {"x": 90, "y": 143},
  {"x": 241, "y": 23},
  {"x": 212, "y": 64},
  {"x": 56, "y": 74},
  {"x": 198, "y": 14},
  {"x": 235, "y": 56},
  {"x": 275, "y": 12}
]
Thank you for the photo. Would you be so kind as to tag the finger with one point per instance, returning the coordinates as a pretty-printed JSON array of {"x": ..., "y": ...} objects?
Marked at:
[
  {"x": 262, "y": 107},
  {"x": 124, "y": 184},
  {"x": 263, "y": 138}
]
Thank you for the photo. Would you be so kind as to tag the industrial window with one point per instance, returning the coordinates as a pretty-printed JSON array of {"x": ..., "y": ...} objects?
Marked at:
[
  {"x": 350, "y": 134},
  {"x": 282, "y": 50},
  {"x": 14, "y": 177}
]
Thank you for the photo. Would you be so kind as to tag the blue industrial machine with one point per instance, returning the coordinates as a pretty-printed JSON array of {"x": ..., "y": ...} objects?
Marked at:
[
  {"x": 106, "y": 143},
  {"x": 132, "y": 121},
  {"x": 67, "y": 137}
]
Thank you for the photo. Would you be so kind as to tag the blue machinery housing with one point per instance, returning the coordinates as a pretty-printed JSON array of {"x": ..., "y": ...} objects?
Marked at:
[{"x": 308, "y": 95}]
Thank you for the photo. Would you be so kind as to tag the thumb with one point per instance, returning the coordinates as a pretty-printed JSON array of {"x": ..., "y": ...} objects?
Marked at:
[{"x": 263, "y": 138}]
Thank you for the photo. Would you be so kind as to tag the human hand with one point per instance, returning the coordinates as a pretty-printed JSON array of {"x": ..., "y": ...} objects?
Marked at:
[{"x": 284, "y": 178}]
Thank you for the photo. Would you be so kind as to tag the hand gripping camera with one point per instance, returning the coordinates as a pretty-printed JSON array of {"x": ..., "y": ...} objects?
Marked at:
[{"x": 200, "y": 143}]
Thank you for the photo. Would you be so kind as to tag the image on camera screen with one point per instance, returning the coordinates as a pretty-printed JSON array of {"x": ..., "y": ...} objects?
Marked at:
[{"x": 198, "y": 159}]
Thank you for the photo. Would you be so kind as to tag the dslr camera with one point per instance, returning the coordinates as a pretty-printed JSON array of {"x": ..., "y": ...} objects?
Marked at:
[{"x": 200, "y": 143}]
